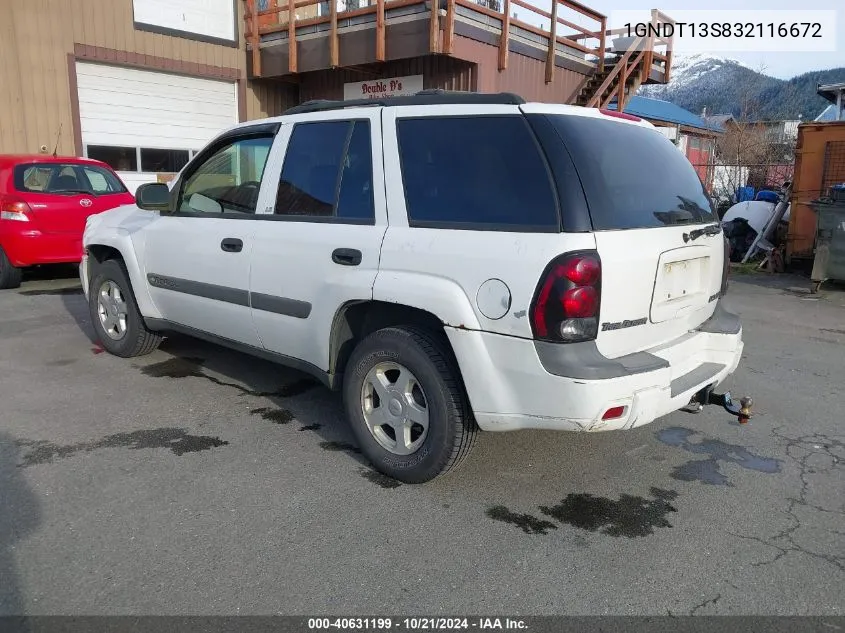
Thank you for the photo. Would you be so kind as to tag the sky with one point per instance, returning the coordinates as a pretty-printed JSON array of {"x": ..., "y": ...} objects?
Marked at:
[{"x": 781, "y": 65}]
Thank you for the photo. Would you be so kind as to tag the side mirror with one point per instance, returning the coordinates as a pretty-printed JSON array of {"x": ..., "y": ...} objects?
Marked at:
[{"x": 153, "y": 196}]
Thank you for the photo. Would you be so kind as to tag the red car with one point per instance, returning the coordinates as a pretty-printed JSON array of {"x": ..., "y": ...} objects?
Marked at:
[{"x": 44, "y": 202}]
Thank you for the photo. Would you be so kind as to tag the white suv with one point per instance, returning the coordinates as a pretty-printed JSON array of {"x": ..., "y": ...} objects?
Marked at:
[{"x": 450, "y": 261}]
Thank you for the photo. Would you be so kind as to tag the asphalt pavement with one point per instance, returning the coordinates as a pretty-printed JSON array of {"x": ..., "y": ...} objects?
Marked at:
[{"x": 198, "y": 480}]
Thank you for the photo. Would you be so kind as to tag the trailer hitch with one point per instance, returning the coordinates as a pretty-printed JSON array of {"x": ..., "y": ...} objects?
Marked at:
[{"x": 707, "y": 396}]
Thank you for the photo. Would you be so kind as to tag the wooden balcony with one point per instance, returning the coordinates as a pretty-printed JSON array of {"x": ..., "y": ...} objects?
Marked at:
[{"x": 289, "y": 38}]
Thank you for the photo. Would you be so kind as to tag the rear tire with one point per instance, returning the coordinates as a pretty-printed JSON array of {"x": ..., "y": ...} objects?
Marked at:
[
  {"x": 118, "y": 324},
  {"x": 421, "y": 391},
  {"x": 10, "y": 276}
]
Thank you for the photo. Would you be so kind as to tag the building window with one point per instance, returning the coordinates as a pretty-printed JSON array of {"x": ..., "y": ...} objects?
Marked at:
[
  {"x": 118, "y": 158},
  {"x": 164, "y": 160},
  {"x": 152, "y": 160}
]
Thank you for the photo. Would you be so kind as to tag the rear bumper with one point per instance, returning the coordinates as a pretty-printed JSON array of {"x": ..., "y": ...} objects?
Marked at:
[
  {"x": 513, "y": 384},
  {"x": 29, "y": 247}
]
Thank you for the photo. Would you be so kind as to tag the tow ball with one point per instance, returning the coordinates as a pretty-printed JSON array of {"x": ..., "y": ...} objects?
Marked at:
[{"x": 707, "y": 396}]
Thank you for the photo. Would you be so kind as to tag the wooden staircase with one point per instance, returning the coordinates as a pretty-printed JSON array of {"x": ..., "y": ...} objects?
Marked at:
[
  {"x": 589, "y": 95},
  {"x": 619, "y": 79}
]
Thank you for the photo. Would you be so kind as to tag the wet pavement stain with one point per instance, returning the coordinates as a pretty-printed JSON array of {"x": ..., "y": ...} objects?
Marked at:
[
  {"x": 76, "y": 290},
  {"x": 379, "y": 479},
  {"x": 526, "y": 522},
  {"x": 834, "y": 331},
  {"x": 708, "y": 470},
  {"x": 192, "y": 367},
  {"x": 297, "y": 388},
  {"x": 276, "y": 416},
  {"x": 340, "y": 446},
  {"x": 179, "y": 441},
  {"x": 310, "y": 427},
  {"x": 175, "y": 368},
  {"x": 630, "y": 516}
]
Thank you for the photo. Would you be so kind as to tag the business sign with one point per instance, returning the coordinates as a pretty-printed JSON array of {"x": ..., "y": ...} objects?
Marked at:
[{"x": 380, "y": 88}]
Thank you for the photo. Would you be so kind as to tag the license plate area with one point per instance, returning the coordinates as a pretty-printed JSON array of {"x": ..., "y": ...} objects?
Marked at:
[{"x": 682, "y": 283}]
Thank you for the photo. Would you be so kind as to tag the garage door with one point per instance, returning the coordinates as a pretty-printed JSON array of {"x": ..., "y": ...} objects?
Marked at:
[{"x": 146, "y": 124}]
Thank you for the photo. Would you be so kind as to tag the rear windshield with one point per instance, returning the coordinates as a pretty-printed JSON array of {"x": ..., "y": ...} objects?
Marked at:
[
  {"x": 66, "y": 179},
  {"x": 633, "y": 177}
]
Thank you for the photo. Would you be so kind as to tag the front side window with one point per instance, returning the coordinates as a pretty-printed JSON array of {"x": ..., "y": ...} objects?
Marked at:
[
  {"x": 61, "y": 179},
  {"x": 328, "y": 172},
  {"x": 228, "y": 180},
  {"x": 475, "y": 172}
]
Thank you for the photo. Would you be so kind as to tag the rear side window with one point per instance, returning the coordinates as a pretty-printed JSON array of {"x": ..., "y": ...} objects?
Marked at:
[
  {"x": 633, "y": 177},
  {"x": 328, "y": 173},
  {"x": 64, "y": 179},
  {"x": 476, "y": 173}
]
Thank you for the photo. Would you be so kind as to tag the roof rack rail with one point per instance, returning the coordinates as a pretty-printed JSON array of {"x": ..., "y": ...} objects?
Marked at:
[{"x": 424, "y": 97}]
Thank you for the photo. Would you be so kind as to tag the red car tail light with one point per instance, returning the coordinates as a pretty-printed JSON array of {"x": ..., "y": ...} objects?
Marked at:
[
  {"x": 566, "y": 303},
  {"x": 14, "y": 209}
]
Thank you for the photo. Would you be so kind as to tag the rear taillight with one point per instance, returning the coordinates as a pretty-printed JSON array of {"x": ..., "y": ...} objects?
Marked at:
[
  {"x": 566, "y": 303},
  {"x": 14, "y": 209},
  {"x": 726, "y": 269}
]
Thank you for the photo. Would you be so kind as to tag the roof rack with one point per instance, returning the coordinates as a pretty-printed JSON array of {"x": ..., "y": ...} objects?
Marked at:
[{"x": 424, "y": 97}]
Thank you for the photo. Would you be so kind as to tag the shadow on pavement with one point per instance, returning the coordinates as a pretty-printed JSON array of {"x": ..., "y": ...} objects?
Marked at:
[
  {"x": 241, "y": 375},
  {"x": 20, "y": 515}
]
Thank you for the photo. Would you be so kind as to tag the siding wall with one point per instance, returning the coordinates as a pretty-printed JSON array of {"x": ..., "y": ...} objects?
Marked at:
[
  {"x": 38, "y": 36},
  {"x": 438, "y": 72},
  {"x": 524, "y": 75}
]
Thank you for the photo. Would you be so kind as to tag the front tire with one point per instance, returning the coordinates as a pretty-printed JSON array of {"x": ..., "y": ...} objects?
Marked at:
[
  {"x": 10, "y": 276},
  {"x": 405, "y": 402},
  {"x": 117, "y": 322}
]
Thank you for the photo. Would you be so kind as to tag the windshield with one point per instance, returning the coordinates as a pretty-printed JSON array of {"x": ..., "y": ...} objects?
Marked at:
[
  {"x": 633, "y": 176},
  {"x": 67, "y": 179}
]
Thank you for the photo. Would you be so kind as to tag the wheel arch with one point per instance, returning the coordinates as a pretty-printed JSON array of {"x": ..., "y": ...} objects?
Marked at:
[
  {"x": 119, "y": 247},
  {"x": 355, "y": 320}
]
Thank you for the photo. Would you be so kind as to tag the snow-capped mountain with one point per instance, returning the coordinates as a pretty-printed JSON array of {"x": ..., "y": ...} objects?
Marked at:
[{"x": 724, "y": 85}]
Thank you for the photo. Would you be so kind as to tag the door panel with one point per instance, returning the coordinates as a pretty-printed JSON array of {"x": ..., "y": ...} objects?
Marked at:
[
  {"x": 319, "y": 247},
  {"x": 194, "y": 282},
  {"x": 198, "y": 258}
]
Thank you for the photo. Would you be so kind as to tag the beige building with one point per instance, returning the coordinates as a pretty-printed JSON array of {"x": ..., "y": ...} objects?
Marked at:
[{"x": 141, "y": 84}]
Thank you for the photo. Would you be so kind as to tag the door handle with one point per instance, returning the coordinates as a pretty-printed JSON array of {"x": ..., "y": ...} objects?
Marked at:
[
  {"x": 347, "y": 256},
  {"x": 232, "y": 245}
]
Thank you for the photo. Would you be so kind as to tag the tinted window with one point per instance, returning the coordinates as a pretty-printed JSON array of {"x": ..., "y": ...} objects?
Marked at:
[
  {"x": 475, "y": 171},
  {"x": 66, "y": 179},
  {"x": 118, "y": 158},
  {"x": 328, "y": 171},
  {"x": 227, "y": 180},
  {"x": 633, "y": 177}
]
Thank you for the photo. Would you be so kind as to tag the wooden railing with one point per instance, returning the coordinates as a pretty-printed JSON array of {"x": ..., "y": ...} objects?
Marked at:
[
  {"x": 288, "y": 15},
  {"x": 634, "y": 61}
]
